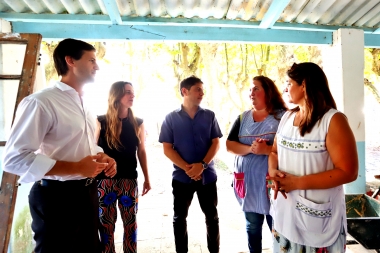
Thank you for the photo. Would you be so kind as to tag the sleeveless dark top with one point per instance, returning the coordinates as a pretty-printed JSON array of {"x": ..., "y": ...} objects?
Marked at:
[{"x": 125, "y": 157}]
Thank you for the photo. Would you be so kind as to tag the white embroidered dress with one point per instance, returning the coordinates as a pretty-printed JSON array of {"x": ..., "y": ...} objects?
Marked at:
[{"x": 307, "y": 217}]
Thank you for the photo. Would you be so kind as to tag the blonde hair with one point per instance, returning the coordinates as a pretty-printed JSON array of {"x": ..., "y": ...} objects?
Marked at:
[{"x": 113, "y": 121}]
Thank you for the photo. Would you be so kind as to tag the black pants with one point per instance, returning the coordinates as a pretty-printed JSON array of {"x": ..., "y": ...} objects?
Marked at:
[
  {"x": 208, "y": 200},
  {"x": 65, "y": 217}
]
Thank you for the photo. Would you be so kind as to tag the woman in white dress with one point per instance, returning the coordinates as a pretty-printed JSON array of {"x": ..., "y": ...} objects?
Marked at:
[{"x": 313, "y": 155}]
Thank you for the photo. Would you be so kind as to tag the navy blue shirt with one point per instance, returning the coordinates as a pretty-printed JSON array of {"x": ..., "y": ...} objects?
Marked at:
[{"x": 191, "y": 138}]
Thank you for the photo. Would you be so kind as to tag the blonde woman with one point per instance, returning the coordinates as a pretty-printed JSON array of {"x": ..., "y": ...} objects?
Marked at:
[{"x": 121, "y": 135}]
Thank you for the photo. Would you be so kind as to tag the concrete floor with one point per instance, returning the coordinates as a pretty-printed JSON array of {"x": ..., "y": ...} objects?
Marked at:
[{"x": 155, "y": 230}]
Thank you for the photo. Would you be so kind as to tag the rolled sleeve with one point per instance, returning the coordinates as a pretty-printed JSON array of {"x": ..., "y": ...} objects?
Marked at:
[
  {"x": 99, "y": 149},
  {"x": 40, "y": 166},
  {"x": 31, "y": 124}
]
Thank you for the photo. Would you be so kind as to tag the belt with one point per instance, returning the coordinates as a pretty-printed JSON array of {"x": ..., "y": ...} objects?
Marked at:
[{"x": 68, "y": 183}]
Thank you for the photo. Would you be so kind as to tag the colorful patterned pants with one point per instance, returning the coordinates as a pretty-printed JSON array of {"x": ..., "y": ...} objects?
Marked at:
[{"x": 125, "y": 192}]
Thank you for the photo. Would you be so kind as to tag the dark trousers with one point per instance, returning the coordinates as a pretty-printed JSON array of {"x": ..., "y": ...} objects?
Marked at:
[
  {"x": 254, "y": 226},
  {"x": 65, "y": 217},
  {"x": 208, "y": 200}
]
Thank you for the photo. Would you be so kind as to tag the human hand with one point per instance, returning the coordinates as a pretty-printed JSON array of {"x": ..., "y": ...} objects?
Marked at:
[
  {"x": 111, "y": 168},
  {"x": 195, "y": 171},
  {"x": 259, "y": 147},
  {"x": 146, "y": 188},
  {"x": 275, "y": 184},
  {"x": 90, "y": 167}
]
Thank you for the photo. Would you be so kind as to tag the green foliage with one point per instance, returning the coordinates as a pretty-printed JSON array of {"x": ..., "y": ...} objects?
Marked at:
[
  {"x": 219, "y": 164},
  {"x": 226, "y": 69},
  {"x": 22, "y": 232},
  {"x": 48, "y": 50}
]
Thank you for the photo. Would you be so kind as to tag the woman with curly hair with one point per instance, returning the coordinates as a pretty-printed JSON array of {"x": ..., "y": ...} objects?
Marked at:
[{"x": 121, "y": 135}]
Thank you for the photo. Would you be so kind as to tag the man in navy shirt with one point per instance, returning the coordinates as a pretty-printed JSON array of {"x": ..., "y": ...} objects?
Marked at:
[{"x": 190, "y": 137}]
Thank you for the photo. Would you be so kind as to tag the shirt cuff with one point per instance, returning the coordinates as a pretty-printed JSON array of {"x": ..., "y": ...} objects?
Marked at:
[
  {"x": 40, "y": 166},
  {"x": 98, "y": 150}
]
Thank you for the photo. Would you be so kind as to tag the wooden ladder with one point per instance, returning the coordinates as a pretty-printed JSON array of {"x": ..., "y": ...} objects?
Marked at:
[{"x": 8, "y": 188}]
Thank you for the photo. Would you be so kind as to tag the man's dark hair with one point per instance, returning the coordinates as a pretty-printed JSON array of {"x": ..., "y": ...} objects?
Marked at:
[
  {"x": 69, "y": 47},
  {"x": 188, "y": 83}
]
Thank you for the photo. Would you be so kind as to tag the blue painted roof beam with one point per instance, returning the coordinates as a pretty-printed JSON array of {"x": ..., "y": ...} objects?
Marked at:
[
  {"x": 153, "y": 21},
  {"x": 171, "y": 33},
  {"x": 273, "y": 13},
  {"x": 113, "y": 11}
]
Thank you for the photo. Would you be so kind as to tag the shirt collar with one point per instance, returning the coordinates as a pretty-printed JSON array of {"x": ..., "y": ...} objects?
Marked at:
[
  {"x": 64, "y": 87},
  {"x": 181, "y": 109}
]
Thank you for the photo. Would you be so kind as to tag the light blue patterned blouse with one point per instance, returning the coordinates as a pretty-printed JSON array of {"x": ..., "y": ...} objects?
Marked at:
[{"x": 255, "y": 167}]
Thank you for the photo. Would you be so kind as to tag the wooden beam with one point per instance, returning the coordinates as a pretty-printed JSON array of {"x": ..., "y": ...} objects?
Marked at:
[
  {"x": 8, "y": 194},
  {"x": 12, "y": 38},
  {"x": 10, "y": 77},
  {"x": 9, "y": 183}
]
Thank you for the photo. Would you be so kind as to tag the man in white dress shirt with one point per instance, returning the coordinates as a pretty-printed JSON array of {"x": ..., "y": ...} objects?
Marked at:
[{"x": 52, "y": 143}]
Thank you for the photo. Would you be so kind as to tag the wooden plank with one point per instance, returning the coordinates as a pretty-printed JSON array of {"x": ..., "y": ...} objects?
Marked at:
[
  {"x": 10, "y": 77},
  {"x": 12, "y": 38},
  {"x": 29, "y": 68},
  {"x": 9, "y": 183}
]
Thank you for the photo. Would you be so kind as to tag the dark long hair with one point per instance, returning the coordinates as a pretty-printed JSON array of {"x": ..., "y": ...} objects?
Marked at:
[
  {"x": 318, "y": 98},
  {"x": 273, "y": 98}
]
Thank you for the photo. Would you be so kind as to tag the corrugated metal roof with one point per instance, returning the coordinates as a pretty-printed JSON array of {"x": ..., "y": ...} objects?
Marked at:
[
  {"x": 306, "y": 15},
  {"x": 358, "y": 13}
]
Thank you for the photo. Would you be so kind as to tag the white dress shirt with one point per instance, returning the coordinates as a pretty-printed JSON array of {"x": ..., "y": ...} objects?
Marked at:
[{"x": 50, "y": 125}]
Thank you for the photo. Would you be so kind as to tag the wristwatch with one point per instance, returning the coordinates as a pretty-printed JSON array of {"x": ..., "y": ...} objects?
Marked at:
[{"x": 204, "y": 165}]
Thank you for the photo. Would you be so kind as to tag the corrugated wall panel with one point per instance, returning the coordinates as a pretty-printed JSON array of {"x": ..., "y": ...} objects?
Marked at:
[
  {"x": 102, "y": 7},
  {"x": 72, "y": 7},
  {"x": 157, "y": 8},
  {"x": 374, "y": 22},
  {"x": 4, "y": 7},
  {"x": 335, "y": 10},
  {"x": 292, "y": 10},
  {"x": 142, "y": 7},
  {"x": 309, "y": 8},
  {"x": 36, "y": 6},
  {"x": 126, "y": 7},
  {"x": 347, "y": 12},
  {"x": 233, "y": 10},
  {"x": 174, "y": 8},
  {"x": 374, "y": 12},
  {"x": 260, "y": 9},
  {"x": 206, "y": 8},
  {"x": 190, "y": 8},
  {"x": 17, "y": 6},
  {"x": 221, "y": 8},
  {"x": 360, "y": 12},
  {"x": 90, "y": 6},
  {"x": 318, "y": 11},
  {"x": 54, "y": 6}
]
